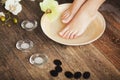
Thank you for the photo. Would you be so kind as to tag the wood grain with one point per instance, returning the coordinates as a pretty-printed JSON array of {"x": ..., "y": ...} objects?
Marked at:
[{"x": 101, "y": 58}]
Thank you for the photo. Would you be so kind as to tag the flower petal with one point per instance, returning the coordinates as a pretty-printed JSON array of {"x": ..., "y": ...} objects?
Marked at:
[
  {"x": 51, "y": 5},
  {"x": 13, "y": 6}
]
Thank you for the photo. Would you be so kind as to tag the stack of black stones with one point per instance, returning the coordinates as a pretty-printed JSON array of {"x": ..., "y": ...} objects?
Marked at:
[
  {"x": 58, "y": 68},
  {"x": 68, "y": 74}
]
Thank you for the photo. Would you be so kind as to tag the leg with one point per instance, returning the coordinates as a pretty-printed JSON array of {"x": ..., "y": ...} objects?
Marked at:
[
  {"x": 81, "y": 20},
  {"x": 69, "y": 13}
]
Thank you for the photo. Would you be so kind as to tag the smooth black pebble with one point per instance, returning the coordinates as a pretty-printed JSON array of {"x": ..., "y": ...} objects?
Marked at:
[
  {"x": 77, "y": 75},
  {"x": 68, "y": 74},
  {"x": 86, "y": 75},
  {"x": 58, "y": 69},
  {"x": 57, "y": 62},
  {"x": 54, "y": 73}
]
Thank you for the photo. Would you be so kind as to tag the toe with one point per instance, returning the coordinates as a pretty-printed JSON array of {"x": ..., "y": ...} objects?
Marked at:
[
  {"x": 67, "y": 19},
  {"x": 77, "y": 35},
  {"x": 72, "y": 35},
  {"x": 66, "y": 34},
  {"x": 63, "y": 31},
  {"x": 65, "y": 15}
]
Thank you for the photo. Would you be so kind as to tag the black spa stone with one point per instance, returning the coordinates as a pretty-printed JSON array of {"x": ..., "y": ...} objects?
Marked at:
[
  {"x": 54, "y": 73},
  {"x": 77, "y": 75},
  {"x": 58, "y": 69},
  {"x": 86, "y": 75},
  {"x": 57, "y": 62},
  {"x": 68, "y": 74}
]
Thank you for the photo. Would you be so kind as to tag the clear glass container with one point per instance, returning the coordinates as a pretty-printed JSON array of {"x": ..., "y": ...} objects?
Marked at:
[
  {"x": 29, "y": 25},
  {"x": 24, "y": 45},
  {"x": 38, "y": 59}
]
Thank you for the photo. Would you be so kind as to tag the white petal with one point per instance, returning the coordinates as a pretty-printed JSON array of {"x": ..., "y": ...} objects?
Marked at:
[
  {"x": 18, "y": 9},
  {"x": 16, "y": 6},
  {"x": 17, "y": 0},
  {"x": 8, "y": 3}
]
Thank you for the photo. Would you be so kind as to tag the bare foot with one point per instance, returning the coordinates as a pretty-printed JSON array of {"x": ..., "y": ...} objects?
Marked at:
[
  {"x": 82, "y": 19},
  {"x": 70, "y": 12},
  {"x": 77, "y": 26}
]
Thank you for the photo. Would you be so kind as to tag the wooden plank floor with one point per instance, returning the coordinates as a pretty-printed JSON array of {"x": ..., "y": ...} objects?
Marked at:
[{"x": 101, "y": 58}]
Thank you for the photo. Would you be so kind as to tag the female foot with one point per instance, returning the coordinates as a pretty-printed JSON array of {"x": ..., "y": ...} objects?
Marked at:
[
  {"x": 70, "y": 12},
  {"x": 82, "y": 19},
  {"x": 77, "y": 26}
]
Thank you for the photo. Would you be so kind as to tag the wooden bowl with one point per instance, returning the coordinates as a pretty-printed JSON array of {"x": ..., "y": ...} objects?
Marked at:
[{"x": 52, "y": 28}]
